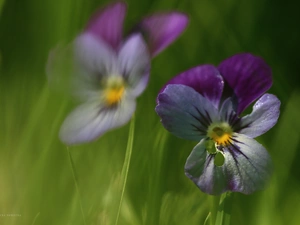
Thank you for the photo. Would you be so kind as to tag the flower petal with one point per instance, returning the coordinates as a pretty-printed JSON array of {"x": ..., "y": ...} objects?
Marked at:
[
  {"x": 204, "y": 79},
  {"x": 162, "y": 29},
  {"x": 247, "y": 167},
  {"x": 249, "y": 77},
  {"x": 92, "y": 119},
  {"x": 134, "y": 61},
  {"x": 95, "y": 57},
  {"x": 228, "y": 114},
  {"x": 201, "y": 170},
  {"x": 107, "y": 24},
  {"x": 263, "y": 117},
  {"x": 184, "y": 112}
]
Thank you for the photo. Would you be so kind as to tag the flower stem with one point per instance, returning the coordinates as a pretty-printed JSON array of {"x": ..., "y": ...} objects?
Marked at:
[
  {"x": 76, "y": 184},
  {"x": 126, "y": 164},
  {"x": 224, "y": 209}
]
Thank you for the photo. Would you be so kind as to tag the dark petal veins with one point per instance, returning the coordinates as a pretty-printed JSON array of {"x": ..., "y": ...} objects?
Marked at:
[
  {"x": 246, "y": 169},
  {"x": 205, "y": 79},
  {"x": 228, "y": 114},
  {"x": 107, "y": 24},
  {"x": 183, "y": 112},
  {"x": 249, "y": 77},
  {"x": 263, "y": 117},
  {"x": 201, "y": 170}
]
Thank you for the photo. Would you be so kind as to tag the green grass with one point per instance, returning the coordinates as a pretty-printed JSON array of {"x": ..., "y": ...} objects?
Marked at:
[{"x": 36, "y": 181}]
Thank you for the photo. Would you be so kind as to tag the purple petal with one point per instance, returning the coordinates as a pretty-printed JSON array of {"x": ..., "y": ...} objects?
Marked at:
[
  {"x": 92, "y": 119},
  {"x": 249, "y": 77},
  {"x": 134, "y": 61},
  {"x": 184, "y": 112},
  {"x": 162, "y": 29},
  {"x": 107, "y": 24},
  {"x": 94, "y": 56},
  {"x": 205, "y": 79},
  {"x": 263, "y": 117},
  {"x": 247, "y": 167}
]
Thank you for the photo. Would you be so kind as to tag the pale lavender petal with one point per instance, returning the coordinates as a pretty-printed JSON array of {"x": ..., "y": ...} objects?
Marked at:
[
  {"x": 107, "y": 24},
  {"x": 263, "y": 117},
  {"x": 200, "y": 168},
  {"x": 94, "y": 56},
  {"x": 204, "y": 79},
  {"x": 247, "y": 167},
  {"x": 184, "y": 112},
  {"x": 134, "y": 62},
  {"x": 162, "y": 29},
  {"x": 228, "y": 114},
  {"x": 249, "y": 77},
  {"x": 92, "y": 119}
]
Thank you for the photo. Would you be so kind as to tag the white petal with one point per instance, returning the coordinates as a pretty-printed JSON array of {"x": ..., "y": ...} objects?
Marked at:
[
  {"x": 134, "y": 61},
  {"x": 95, "y": 56},
  {"x": 263, "y": 117},
  {"x": 90, "y": 120}
]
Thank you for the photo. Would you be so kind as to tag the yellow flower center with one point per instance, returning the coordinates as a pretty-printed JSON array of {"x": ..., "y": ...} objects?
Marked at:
[
  {"x": 220, "y": 133},
  {"x": 114, "y": 90}
]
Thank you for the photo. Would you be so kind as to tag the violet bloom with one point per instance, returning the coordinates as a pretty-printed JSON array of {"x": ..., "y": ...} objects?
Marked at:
[
  {"x": 111, "y": 71},
  {"x": 194, "y": 106}
]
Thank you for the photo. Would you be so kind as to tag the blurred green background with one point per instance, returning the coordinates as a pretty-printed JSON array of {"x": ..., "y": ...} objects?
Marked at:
[{"x": 36, "y": 181}]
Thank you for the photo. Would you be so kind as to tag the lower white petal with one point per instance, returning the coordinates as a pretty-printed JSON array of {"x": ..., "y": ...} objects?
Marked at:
[{"x": 92, "y": 119}]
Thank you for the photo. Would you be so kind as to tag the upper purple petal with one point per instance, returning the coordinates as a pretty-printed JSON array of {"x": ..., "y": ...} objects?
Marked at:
[
  {"x": 107, "y": 23},
  {"x": 205, "y": 79},
  {"x": 162, "y": 29},
  {"x": 263, "y": 117},
  {"x": 184, "y": 112},
  {"x": 249, "y": 77}
]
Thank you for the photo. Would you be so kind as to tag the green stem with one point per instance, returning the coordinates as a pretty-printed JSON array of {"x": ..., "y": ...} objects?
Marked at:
[
  {"x": 126, "y": 164},
  {"x": 207, "y": 219},
  {"x": 76, "y": 184},
  {"x": 35, "y": 218},
  {"x": 224, "y": 209}
]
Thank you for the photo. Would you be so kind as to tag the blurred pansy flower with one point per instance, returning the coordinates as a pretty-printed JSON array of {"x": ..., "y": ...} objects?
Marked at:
[
  {"x": 110, "y": 72},
  {"x": 195, "y": 106}
]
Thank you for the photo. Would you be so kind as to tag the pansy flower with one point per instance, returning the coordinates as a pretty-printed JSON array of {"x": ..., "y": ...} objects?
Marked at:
[
  {"x": 111, "y": 71},
  {"x": 195, "y": 106}
]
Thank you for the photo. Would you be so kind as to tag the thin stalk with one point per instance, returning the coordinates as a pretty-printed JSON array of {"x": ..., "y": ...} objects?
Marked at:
[
  {"x": 126, "y": 164},
  {"x": 207, "y": 219},
  {"x": 224, "y": 209},
  {"x": 76, "y": 184},
  {"x": 35, "y": 218}
]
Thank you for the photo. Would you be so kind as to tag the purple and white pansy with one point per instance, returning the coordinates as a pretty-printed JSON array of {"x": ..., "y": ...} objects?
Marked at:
[
  {"x": 112, "y": 71},
  {"x": 195, "y": 106}
]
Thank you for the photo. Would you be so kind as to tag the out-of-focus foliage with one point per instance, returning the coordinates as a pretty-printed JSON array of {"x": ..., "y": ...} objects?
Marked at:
[{"x": 36, "y": 180}]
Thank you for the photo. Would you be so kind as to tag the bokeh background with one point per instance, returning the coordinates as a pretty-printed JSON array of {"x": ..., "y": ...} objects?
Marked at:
[{"x": 36, "y": 181}]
